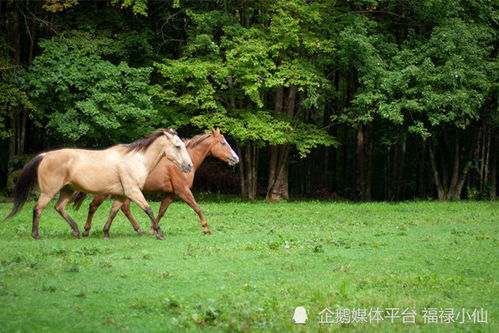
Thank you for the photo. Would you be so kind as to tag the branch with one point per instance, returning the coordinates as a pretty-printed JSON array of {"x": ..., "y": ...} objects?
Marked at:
[
  {"x": 36, "y": 18},
  {"x": 10, "y": 67}
]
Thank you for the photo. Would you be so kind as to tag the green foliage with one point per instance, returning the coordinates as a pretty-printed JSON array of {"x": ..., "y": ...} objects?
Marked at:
[
  {"x": 264, "y": 126},
  {"x": 442, "y": 81},
  {"x": 193, "y": 84},
  {"x": 307, "y": 136},
  {"x": 55, "y": 6},
  {"x": 11, "y": 99},
  {"x": 78, "y": 94},
  {"x": 228, "y": 70},
  {"x": 138, "y": 6}
]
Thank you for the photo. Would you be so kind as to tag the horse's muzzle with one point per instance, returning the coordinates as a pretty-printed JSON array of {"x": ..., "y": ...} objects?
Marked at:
[
  {"x": 233, "y": 160},
  {"x": 186, "y": 167}
]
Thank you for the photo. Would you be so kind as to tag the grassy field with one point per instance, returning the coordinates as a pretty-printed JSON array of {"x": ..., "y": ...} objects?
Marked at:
[{"x": 259, "y": 264}]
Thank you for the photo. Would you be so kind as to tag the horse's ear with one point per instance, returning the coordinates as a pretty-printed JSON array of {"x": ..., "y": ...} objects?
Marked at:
[
  {"x": 169, "y": 133},
  {"x": 217, "y": 130}
]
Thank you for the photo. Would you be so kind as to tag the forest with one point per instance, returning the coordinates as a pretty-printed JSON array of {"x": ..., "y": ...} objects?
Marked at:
[{"x": 363, "y": 100}]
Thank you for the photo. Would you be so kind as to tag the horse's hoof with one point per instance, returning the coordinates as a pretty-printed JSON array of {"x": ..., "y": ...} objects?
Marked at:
[
  {"x": 139, "y": 232},
  {"x": 160, "y": 236},
  {"x": 85, "y": 234},
  {"x": 207, "y": 232},
  {"x": 106, "y": 237},
  {"x": 76, "y": 235},
  {"x": 36, "y": 237}
]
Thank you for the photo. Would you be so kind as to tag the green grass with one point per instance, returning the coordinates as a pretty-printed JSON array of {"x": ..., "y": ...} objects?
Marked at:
[{"x": 261, "y": 261}]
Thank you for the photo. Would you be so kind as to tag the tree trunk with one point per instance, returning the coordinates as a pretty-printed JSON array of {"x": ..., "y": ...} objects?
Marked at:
[
  {"x": 386, "y": 172},
  {"x": 420, "y": 174},
  {"x": 32, "y": 43},
  {"x": 397, "y": 174},
  {"x": 326, "y": 172},
  {"x": 21, "y": 138},
  {"x": 452, "y": 190},
  {"x": 278, "y": 188},
  {"x": 14, "y": 118},
  {"x": 484, "y": 161},
  {"x": 360, "y": 184},
  {"x": 369, "y": 162},
  {"x": 441, "y": 193},
  {"x": 3, "y": 15},
  {"x": 400, "y": 166},
  {"x": 17, "y": 34},
  {"x": 345, "y": 179},
  {"x": 13, "y": 130},
  {"x": 443, "y": 157},
  {"x": 248, "y": 167},
  {"x": 493, "y": 170},
  {"x": 363, "y": 162}
]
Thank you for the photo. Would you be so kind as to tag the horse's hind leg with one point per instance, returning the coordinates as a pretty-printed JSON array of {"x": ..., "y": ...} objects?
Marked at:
[
  {"x": 64, "y": 198},
  {"x": 165, "y": 203},
  {"x": 43, "y": 201},
  {"x": 126, "y": 210},
  {"x": 114, "y": 210},
  {"x": 92, "y": 208}
]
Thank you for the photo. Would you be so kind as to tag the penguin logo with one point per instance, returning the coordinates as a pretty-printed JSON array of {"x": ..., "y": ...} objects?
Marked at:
[{"x": 300, "y": 316}]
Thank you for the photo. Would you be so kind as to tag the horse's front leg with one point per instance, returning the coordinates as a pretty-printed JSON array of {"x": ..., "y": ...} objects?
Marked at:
[
  {"x": 114, "y": 210},
  {"x": 186, "y": 195},
  {"x": 92, "y": 208},
  {"x": 136, "y": 196}
]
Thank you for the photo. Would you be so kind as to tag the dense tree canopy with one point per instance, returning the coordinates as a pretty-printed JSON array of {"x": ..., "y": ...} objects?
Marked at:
[{"x": 361, "y": 99}]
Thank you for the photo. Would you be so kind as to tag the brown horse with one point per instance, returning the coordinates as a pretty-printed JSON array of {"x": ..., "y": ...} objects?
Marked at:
[
  {"x": 167, "y": 178},
  {"x": 120, "y": 171}
]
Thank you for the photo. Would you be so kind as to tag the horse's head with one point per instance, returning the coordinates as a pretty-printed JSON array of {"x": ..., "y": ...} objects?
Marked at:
[
  {"x": 221, "y": 148},
  {"x": 174, "y": 150}
]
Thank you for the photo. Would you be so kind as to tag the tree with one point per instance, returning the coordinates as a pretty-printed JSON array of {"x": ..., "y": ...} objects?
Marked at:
[
  {"x": 81, "y": 96},
  {"x": 436, "y": 88},
  {"x": 227, "y": 73}
]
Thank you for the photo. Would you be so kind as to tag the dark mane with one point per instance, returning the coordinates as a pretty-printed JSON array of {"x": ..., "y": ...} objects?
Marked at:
[
  {"x": 194, "y": 141},
  {"x": 142, "y": 144}
]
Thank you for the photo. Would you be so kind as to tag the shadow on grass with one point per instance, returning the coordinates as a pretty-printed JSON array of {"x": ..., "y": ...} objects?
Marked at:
[{"x": 93, "y": 235}]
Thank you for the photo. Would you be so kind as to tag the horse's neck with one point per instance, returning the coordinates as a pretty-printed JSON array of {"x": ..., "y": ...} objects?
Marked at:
[
  {"x": 199, "y": 152},
  {"x": 153, "y": 154}
]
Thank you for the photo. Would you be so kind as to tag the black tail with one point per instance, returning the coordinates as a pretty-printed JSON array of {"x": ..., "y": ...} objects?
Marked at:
[
  {"x": 77, "y": 199},
  {"x": 25, "y": 184}
]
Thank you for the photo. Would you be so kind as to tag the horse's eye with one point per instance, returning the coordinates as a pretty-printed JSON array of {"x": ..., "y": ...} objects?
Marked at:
[
  {"x": 222, "y": 143},
  {"x": 178, "y": 147}
]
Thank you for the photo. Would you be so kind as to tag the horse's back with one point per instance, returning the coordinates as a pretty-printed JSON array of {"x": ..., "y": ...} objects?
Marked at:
[{"x": 91, "y": 171}]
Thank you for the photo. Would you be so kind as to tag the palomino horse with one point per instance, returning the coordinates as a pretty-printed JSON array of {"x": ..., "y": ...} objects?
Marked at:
[
  {"x": 167, "y": 178},
  {"x": 120, "y": 171}
]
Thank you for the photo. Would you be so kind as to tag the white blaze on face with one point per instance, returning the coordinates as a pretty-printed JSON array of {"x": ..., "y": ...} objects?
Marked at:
[
  {"x": 300, "y": 316},
  {"x": 235, "y": 158}
]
